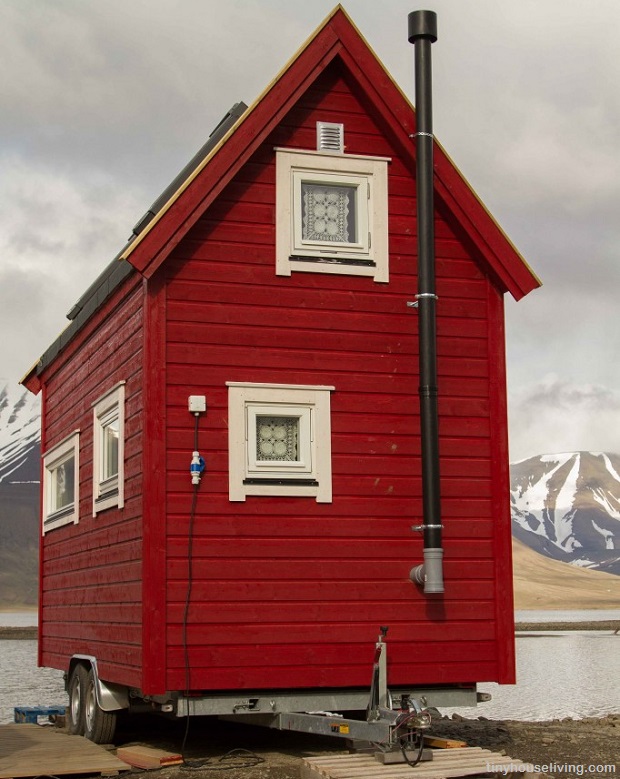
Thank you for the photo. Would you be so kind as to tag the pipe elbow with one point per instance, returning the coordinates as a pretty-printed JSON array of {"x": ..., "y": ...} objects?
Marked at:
[{"x": 430, "y": 573}]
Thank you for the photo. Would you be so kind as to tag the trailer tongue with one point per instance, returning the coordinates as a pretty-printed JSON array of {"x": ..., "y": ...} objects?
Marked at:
[{"x": 395, "y": 727}]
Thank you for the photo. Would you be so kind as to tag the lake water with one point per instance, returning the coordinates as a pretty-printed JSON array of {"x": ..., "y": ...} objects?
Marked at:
[
  {"x": 559, "y": 674},
  {"x": 22, "y": 683}
]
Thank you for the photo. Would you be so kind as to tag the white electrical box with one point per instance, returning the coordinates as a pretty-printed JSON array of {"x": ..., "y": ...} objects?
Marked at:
[{"x": 197, "y": 404}]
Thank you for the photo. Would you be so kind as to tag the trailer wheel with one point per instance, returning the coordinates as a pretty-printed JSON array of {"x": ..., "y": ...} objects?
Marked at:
[
  {"x": 77, "y": 691},
  {"x": 99, "y": 725}
]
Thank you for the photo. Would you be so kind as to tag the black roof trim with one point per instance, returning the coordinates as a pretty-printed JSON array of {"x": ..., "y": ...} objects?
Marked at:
[
  {"x": 218, "y": 133},
  {"x": 101, "y": 282},
  {"x": 118, "y": 270}
]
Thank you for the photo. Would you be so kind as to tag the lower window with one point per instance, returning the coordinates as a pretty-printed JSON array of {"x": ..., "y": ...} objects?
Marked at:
[
  {"x": 279, "y": 440},
  {"x": 60, "y": 483}
]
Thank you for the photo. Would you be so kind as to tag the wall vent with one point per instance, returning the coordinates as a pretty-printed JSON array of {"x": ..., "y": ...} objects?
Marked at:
[{"x": 330, "y": 137}]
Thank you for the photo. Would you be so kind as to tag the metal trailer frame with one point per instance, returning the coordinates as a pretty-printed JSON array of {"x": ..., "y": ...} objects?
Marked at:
[{"x": 394, "y": 718}]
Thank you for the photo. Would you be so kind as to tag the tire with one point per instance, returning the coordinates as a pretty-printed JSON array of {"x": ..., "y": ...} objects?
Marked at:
[
  {"x": 77, "y": 690},
  {"x": 99, "y": 725}
]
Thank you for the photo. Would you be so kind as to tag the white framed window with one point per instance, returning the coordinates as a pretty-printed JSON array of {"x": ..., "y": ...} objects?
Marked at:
[
  {"x": 331, "y": 214},
  {"x": 61, "y": 468},
  {"x": 279, "y": 438},
  {"x": 109, "y": 449}
]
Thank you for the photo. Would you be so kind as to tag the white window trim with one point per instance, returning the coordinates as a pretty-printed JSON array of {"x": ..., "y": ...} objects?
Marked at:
[
  {"x": 293, "y": 166},
  {"x": 69, "y": 446},
  {"x": 111, "y": 493},
  {"x": 312, "y": 476}
]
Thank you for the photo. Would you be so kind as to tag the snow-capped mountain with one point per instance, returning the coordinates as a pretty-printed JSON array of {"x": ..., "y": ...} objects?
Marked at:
[
  {"x": 567, "y": 506},
  {"x": 20, "y": 434},
  {"x": 20, "y": 460}
]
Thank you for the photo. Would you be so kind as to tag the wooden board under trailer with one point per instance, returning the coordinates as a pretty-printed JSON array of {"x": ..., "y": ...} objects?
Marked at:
[
  {"x": 446, "y": 763},
  {"x": 32, "y": 750}
]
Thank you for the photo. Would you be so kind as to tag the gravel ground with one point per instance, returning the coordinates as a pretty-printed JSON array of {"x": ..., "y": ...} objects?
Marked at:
[{"x": 569, "y": 744}]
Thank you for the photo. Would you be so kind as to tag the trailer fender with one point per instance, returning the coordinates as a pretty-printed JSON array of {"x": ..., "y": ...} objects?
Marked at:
[{"x": 110, "y": 696}]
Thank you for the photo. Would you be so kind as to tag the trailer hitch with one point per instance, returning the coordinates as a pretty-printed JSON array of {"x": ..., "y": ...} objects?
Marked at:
[{"x": 406, "y": 725}]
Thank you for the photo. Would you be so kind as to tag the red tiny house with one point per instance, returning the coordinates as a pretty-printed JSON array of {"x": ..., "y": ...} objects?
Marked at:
[{"x": 266, "y": 577}]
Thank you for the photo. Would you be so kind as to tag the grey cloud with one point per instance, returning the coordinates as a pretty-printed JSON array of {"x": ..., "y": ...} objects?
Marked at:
[
  {"x": 555, "y": 415},
  {"x": 129, "y": 86},
  {"x": 554, "y": 392},
  {"x": 102, "y": 103}
]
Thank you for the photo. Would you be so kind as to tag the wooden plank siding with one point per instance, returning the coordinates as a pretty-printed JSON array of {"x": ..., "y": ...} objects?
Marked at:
[
  {"x": 286, "y": 592},
  {"x": 91, "y": 572}
]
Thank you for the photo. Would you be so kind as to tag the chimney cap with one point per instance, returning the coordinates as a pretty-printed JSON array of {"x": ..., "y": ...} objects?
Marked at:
[{"x": 422, "y": 24}]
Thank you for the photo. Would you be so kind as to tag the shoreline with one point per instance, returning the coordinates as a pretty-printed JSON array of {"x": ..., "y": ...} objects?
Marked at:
[
  {"x": 535, "y": 627},
  {"x": 24, "y": 633},
  {"x": 30, "y": 632}
]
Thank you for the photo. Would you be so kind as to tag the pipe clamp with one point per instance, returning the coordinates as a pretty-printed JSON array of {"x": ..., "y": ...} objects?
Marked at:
[{"x": 420, "y": 528}]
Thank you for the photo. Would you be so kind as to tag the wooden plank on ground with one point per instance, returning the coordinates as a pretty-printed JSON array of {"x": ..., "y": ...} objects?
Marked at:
[
  {"x": 443, "y": 743},
  {"x": 148, "y": 757},
  {"x": 446, "y": 764},
  {"x": 32, "y": 750}
]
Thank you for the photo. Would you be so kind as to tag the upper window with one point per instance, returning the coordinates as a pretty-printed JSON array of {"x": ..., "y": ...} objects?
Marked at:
[
  {"x": 279, "y": 440},
  {"x": 331, "y": 214},
  {"x": 108, "y": 449},
  {"x": 60, "y": 483}
]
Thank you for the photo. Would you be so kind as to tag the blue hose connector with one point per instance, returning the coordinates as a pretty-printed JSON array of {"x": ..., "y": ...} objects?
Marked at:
[{"x": 196, "y": 467}]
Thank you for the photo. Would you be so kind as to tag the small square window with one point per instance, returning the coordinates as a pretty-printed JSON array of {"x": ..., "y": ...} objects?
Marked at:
[
  {"x": 280, "y": 440},
  {"x": 108, "y": 450},
  {"x": 331, "y": 214},
  {"x": 60, "y": 483},
  {"x": 277, "y": 439}
]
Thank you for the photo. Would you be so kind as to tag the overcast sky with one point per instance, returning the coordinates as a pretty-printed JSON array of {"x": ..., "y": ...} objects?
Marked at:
[{"x": 102, "y": 102}]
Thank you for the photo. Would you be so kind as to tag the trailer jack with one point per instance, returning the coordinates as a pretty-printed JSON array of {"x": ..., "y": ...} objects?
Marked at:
[{"x": 396, "y": 733}]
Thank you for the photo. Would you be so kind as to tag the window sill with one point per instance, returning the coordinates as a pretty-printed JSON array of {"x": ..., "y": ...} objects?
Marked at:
[
  {"x": 284, "y": 482},
  {"x": 107, "y": 500}
]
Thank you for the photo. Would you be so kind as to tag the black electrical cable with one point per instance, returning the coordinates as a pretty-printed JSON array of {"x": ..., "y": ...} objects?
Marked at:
[
  {"x": 237, "y": 758},
  {"x": 413, "y": 763},
  {"x": 188, "y": 594},
  {"x": 402, "y": 722}
]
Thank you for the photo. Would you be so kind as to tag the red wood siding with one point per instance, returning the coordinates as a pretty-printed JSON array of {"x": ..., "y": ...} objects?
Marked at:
[
  {"x": 91, "y": 572},
  {"x": 154, "y": 485},
  {"x": 287, "y": 592}
]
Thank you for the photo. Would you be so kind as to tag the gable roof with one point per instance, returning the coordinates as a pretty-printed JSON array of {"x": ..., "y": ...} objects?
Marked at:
[
  {"x": 242, "y": 131},
  {"x": 337, "y": 37}
]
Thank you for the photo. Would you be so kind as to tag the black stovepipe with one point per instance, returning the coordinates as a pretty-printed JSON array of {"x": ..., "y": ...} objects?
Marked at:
[{"x": 422, "y": 33}]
